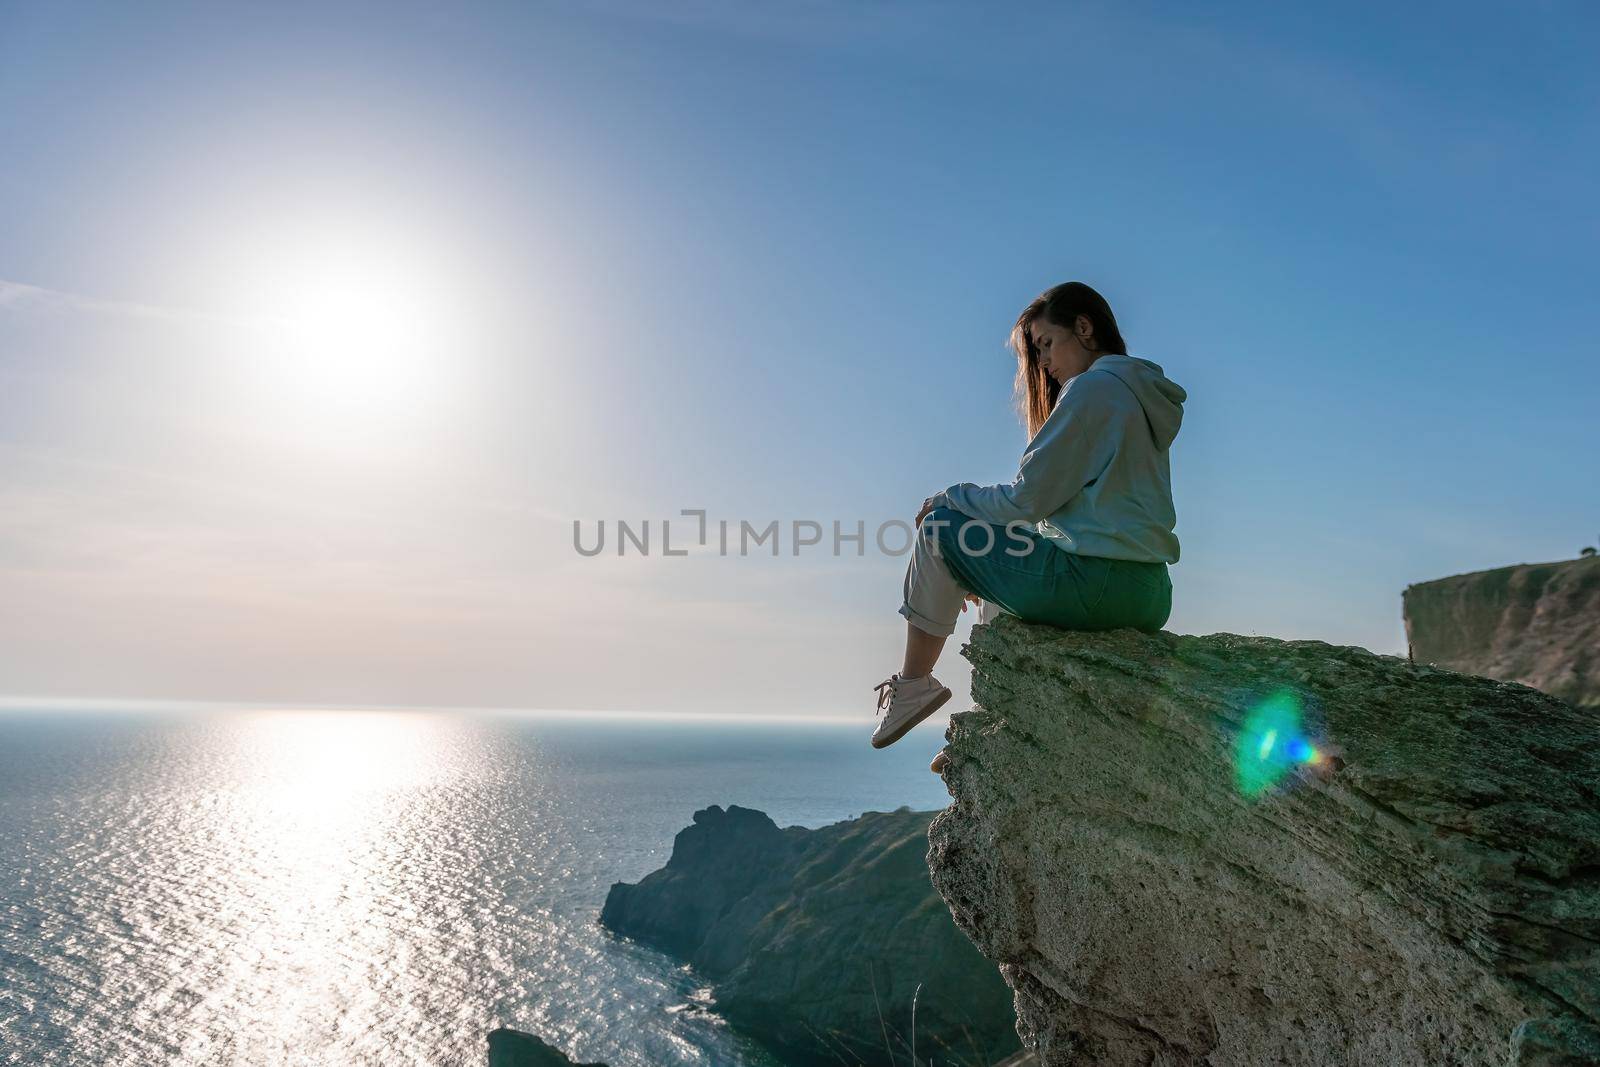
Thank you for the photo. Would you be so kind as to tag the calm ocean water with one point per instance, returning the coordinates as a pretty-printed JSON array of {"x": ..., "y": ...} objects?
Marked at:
[{"x": 365, "y": 888}]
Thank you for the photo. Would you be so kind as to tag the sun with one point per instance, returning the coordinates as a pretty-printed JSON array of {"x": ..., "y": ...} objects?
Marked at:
[
  {"x": 346, "y": 336},
  {"x": 358, "y": 326}
]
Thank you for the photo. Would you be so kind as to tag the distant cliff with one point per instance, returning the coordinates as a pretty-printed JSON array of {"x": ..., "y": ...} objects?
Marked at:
[
  {"x": 1537, "y": 623},
  {"x": 513, "y": 1048},
  {"x": 1236, "y": 851},
  {"x": 817, "y": 940}
]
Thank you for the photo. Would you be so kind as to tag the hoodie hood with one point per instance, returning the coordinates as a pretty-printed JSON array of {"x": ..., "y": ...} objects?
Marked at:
[{"x": 1160, "y": 397}]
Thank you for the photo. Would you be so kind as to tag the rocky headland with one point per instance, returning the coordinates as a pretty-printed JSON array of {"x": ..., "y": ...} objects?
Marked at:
[
  {"x": 1535, "y": 623},
  {"x": 822, "y": 942},
  {"x": 513, "y": 1048},
  {"x": 1237, "y": 851}
]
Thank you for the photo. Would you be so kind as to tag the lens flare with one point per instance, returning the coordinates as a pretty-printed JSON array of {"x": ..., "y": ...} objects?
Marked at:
[
  {"x": 1271, "y": 744},
  {"x": 1266, "y": 743}
]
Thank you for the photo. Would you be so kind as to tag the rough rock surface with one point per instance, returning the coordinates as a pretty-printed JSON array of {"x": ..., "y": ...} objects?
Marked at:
[
  {"x": 513, "y": 1048},
  {"x": 1427, "y": 893},
  {"x": 809, "y": 934},
  {"x": 1536, "y": 623}
]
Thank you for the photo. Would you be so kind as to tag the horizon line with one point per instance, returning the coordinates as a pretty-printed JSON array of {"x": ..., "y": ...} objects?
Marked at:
[{"x": 14, "y": 703}]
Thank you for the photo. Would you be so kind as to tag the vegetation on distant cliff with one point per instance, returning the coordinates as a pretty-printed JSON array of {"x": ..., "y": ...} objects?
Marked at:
[
  {"x": 513, "y": 1048},
  {"x": 1536, "y": 623},
  {"x": 1417, "y": 882},
  {"x": 830, "y": 945}
]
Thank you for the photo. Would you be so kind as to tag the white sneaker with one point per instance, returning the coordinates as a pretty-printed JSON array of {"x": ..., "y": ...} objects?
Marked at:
[{"x": 904, "y": 702}]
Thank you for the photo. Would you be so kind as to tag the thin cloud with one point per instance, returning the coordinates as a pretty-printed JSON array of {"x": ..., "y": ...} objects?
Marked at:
[
  {"x": 820, "y": 23},
  {"x": 20, "y": 297}
]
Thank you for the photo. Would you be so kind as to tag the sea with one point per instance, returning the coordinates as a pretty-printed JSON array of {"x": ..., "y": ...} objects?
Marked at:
[{"x": 352, "y": 888}]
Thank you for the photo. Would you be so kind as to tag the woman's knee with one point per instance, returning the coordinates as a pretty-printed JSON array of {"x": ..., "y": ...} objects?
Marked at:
[
  {"x": 944, "y": 516},
  {"x": 945, "y": 525}
]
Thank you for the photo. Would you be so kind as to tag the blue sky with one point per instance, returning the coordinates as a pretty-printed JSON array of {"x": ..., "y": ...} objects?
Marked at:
[{"x": 759, "y": 260}]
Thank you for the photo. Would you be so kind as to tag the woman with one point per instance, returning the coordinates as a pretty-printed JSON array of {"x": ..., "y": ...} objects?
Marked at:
[{"x": 1081, "y": 538}]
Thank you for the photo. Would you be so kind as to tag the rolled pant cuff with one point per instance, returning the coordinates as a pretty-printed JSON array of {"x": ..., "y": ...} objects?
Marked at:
[{"x": 925, "y": 624}]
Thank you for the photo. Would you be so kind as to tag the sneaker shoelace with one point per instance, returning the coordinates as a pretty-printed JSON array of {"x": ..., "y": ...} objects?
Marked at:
[{"x": 886, "y": 691}]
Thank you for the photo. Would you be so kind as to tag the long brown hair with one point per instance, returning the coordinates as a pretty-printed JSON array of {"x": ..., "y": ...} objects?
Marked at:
[{"x": 1036, "y": 391}]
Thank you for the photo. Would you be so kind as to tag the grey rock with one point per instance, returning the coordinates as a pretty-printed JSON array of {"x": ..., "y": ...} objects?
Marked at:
[
  {"x": 513, "y": 1048},
  {"x": 1555, "y": 1043},
  {"x": 1426, "y": 887},
  {"x": 819, "y": 941},
  {"x": 1536, "y": 623}
]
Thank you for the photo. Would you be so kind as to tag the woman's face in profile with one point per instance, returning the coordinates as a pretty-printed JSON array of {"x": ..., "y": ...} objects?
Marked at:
[{"x": 1062, "y": 357}]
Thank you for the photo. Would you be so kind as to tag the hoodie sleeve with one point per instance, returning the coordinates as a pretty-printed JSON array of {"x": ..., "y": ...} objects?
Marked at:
[{"x": 1070, "y": 451}]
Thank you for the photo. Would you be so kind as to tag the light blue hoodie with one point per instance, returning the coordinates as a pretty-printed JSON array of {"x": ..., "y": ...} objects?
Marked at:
[{"x": 1095, "y": 478}]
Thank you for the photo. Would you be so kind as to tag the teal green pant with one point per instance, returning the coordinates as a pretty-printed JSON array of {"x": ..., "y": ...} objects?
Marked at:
[{"x": 1023, "y": 573}]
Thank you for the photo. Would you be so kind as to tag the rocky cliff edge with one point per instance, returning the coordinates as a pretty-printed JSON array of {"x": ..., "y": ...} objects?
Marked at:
[{"x": 1228, "y": 850}]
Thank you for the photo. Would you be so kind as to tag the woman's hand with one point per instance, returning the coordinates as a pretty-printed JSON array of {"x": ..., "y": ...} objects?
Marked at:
[{"x": 927, "y": 506}]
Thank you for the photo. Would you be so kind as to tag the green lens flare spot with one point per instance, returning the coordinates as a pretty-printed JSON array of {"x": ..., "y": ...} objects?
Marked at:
[
  {"x": 1271, "y": 744},
  {"x": 1266, "y": 743}
]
